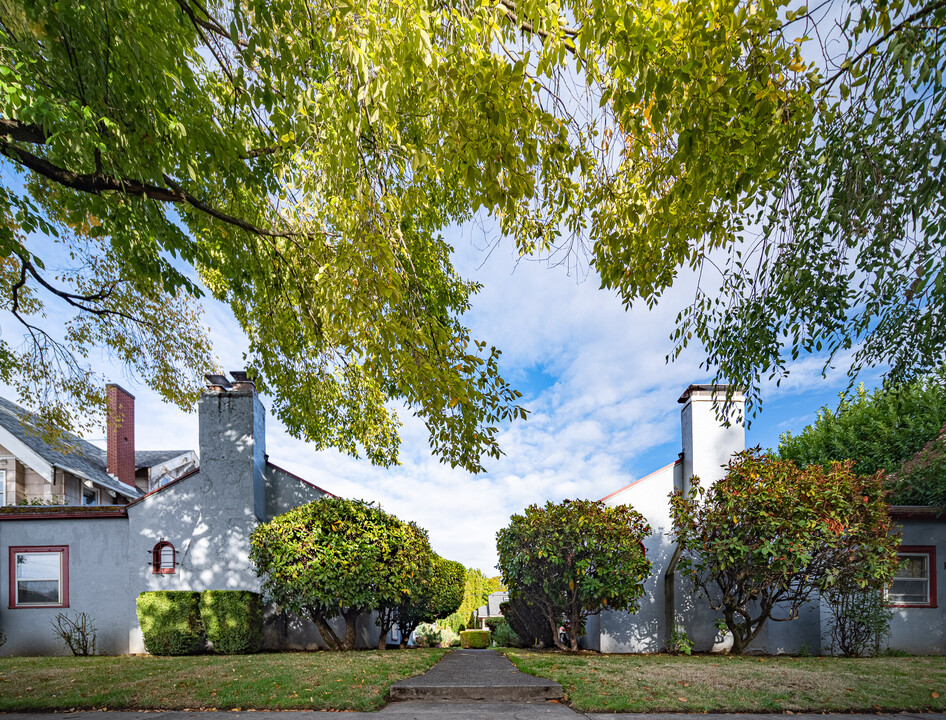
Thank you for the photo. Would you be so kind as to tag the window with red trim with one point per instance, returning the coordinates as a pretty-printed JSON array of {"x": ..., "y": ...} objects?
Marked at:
[
  {"x": 39, "y": 576},
  {"x": 914, "y": 583},
  {"x": 163, "y": 558}
]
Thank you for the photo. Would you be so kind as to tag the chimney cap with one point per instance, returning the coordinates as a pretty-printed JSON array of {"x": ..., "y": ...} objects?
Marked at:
[
  {"x": 119, "y": 387},
  {"x": 715, "y": 391},
  {"x": 219, "y": 381},
  {"x": 241, "y": 381}
]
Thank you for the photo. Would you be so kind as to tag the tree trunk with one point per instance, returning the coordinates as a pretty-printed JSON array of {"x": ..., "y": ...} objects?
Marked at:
[
  {"x": 385, "y": 623},
  {"x": 555, "y": 636},
  {"x": 325, "y": 630},
  {"x": 351, "y": 616}
]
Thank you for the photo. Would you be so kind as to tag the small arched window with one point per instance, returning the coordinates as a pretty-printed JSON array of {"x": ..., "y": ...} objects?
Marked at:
[{"x": 163, "y": 558}]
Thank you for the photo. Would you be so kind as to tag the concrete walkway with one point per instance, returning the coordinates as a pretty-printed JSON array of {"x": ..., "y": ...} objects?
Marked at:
[{"x": 476, "y": 675}]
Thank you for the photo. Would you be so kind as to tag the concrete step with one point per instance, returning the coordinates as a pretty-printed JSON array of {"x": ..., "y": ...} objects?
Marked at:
[{"x": 476, "y": 675}]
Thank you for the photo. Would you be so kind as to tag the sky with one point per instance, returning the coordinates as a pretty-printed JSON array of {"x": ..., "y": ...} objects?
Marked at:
[{"x": 603, "y": 403}]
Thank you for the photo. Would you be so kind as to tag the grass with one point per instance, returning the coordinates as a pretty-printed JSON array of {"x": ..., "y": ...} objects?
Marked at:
[
  {"x": 714, "y": 683},
  {"x": 283, "y": 681}
]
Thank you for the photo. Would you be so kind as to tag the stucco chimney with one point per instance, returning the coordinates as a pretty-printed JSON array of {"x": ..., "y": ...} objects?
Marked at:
[
  {"x": 233, "y": 441},
  {"x": 708, "y": 442},
  {"x": 120, "y": 434}
]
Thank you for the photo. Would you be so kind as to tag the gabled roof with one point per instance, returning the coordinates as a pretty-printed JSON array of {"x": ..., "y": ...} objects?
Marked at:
[
  {"x": 150, "y": 458},
  {"x": 83, "y": 460}
]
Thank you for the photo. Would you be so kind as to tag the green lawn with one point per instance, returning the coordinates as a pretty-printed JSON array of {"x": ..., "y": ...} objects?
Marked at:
[
  {"x": 715, "y": 683},
  {"x": 298, "y": 681}
]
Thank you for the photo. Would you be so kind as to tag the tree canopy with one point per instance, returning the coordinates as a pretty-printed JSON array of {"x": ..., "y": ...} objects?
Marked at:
[
  {"x": 760, "y": 542},
  {"x": 303, "y": 157},
  {"x": 878, "y": 430},
  {"x": 574, "y": 559}
]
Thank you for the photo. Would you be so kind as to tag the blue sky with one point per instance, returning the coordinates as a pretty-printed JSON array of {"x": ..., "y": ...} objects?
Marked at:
[{"x": 603, "y": 402}]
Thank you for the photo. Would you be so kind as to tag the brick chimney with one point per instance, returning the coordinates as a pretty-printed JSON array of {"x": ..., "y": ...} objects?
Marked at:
[{"x": 120, "y": 434}]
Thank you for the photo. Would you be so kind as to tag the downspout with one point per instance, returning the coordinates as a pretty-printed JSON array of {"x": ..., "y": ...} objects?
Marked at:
[{"x": 670, "y": 615}]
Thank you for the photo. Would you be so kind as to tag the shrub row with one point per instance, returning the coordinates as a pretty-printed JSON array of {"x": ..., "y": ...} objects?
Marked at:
[{"x": 177, "y": 622}]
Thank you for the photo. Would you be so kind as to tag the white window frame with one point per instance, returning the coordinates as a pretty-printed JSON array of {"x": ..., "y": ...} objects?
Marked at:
[
  {"x": 929, "y": 554},
  {"x": 3, "y": 487},
  {"x": 95, "y": 492},
  {"x": 62, "y": 551}
]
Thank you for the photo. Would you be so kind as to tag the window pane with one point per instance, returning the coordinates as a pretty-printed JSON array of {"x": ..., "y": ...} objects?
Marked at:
[
  {"x": 909, "y": 592},
  {"x": 167, "y": 558},
  {"x": 37, "y": 591},
  {"x": 38, "y": 566},
  {"x": 913, "y": 566}
]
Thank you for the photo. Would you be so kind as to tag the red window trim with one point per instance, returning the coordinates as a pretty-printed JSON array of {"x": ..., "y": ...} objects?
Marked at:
[
  {"x": 156, "y": 568},
  {"x": 64, "y": 550},
  {"x": 929, "y": 550}
]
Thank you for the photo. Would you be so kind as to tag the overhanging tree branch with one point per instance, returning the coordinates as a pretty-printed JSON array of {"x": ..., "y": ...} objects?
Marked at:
[{"x": 96, "y": 183}]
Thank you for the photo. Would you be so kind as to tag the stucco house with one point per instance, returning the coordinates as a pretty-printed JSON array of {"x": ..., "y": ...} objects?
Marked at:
[
  {"x": 191, "y": 532},
  {"x": 918, "y": 626}
]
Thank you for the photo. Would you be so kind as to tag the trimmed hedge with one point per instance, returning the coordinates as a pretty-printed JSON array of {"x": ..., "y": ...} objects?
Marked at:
[
  {"x": 475, "y": 639},
  {"x": 233, "y": 620},
  {"x": 170, "y": 622}
]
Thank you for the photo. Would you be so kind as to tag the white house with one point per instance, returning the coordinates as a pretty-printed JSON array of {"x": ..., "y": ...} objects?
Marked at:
[{"x": 919, "y": 625}]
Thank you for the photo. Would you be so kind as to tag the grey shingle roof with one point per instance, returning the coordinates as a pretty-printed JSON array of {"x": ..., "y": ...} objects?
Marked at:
[
  {"x": 85, "y": 459},
  {"x": 150, "y": 458}
]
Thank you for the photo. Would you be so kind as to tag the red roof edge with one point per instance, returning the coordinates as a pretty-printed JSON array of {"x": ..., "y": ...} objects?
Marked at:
[
  {"x": 641, "y": 479},
  {"x": 56, "y": 513}
]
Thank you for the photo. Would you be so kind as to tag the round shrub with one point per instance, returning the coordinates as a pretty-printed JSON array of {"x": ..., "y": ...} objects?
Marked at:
[
  {"x": 170, "y": 622},
  {"x": 233, "y": 620}
]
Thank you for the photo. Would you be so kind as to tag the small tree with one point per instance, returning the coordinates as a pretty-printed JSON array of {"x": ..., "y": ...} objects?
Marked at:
[
  {"x": 574, "y": 559},
  {"x": 435, "y": 594},
  {"x": 859, "y": 620},
  {"x": 761, "y": 541},
  {"x": 335, "y": 557}
]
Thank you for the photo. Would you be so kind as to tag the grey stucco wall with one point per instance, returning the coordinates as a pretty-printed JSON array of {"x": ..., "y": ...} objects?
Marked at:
[
  {"x": 99, "y": 583},
  {"x": 922, "y": 630},
  {"x": 284, "y": 492}
]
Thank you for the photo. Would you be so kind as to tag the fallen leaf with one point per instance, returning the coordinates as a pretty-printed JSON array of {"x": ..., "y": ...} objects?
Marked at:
[
  {"x": 682, "y": 699},
  {"x": 935, "y": 694}
]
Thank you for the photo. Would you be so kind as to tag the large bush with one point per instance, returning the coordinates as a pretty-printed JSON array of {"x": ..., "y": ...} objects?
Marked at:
[
  {"x": 233, "y": 620},
  {"x": 574, "y": 559},
  {"x": 769, "y": 535},
  {"x": 170, "y": 622},
  {"x": 336, "y": 557}
]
